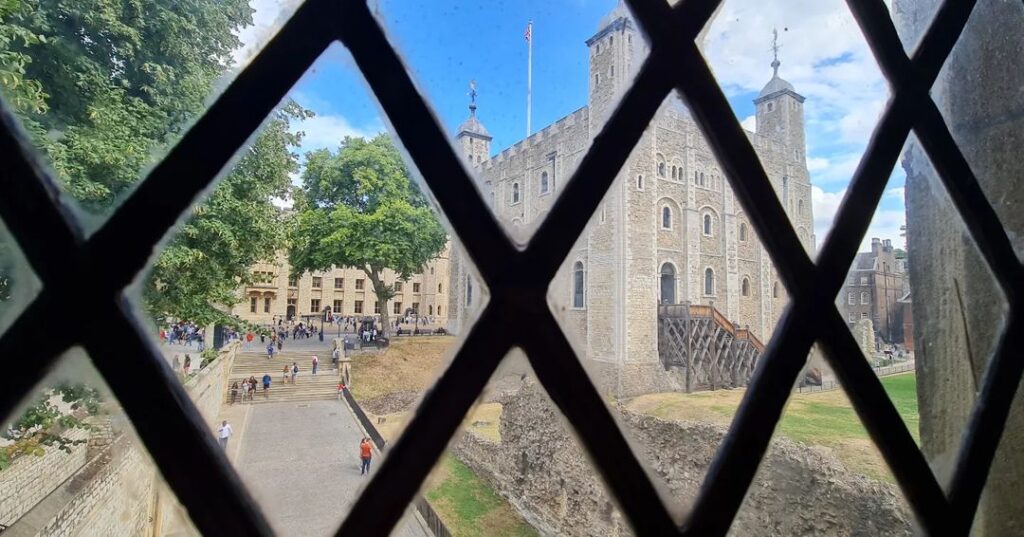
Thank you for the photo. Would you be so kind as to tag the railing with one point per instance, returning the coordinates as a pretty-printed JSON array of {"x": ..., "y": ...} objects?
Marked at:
[{"x": 434, "y": 522}]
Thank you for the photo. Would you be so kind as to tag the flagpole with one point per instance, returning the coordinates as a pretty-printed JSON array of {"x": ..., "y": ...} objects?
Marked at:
[{"x": 529, "y": 76}]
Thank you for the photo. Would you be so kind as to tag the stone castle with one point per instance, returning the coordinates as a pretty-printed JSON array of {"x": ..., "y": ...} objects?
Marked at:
[{"x": 669, "y": 230}]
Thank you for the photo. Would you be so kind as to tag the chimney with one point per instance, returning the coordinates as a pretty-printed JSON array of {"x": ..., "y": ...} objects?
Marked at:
[{"x": 876, "y": 245}]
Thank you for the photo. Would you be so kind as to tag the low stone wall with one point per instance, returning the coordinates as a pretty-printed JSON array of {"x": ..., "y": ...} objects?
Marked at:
[
  {"x": 543, "y": 472},
  {"x": 103, "y": 487},
  {"x": 29, "y": 479}
]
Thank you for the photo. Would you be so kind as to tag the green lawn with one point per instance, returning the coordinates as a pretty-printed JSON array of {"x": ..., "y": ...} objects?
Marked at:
[
  {"x": 822, "y": 418},
  {"x": 468, "y": 506}
]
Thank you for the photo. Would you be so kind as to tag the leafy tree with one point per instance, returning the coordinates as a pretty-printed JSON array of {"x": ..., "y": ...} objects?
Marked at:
[
  {"x": 359, "y": 208},
  {"x": 105, "y": 86},
  {"x": 198, "y": 274}
]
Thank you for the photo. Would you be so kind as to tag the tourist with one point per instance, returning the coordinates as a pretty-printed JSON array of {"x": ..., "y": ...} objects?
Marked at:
[
  {"x": 248, "y": 340},
  {"x": 266, "y": 385},
  {"x": 295, "y": 371},
  {"x": 365, "y": 455},
  {"x": 335, "y": 357},
  {"x": 188, "y": 365},
  {"x": 270, "y": 351},
  {"x": 225, "y": 433},
  {"x": 280, "y": 343},
  {"x": 341, "y": 388},
  {"x": 316, "y": 362},
  {"x": 234, "y": 392},
  {"x": 286, "y": 371},
  {"x": 245, "y": 389}
]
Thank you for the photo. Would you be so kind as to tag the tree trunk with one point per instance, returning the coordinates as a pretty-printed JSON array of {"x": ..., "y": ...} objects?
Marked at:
[{"x": 383, "y": 293}]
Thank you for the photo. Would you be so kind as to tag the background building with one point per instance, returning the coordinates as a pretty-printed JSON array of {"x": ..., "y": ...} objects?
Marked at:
[
  {"x": 669, "y": 230},
  {"x": 873, "y": 288},
  {"x": 347, "y": 291}
]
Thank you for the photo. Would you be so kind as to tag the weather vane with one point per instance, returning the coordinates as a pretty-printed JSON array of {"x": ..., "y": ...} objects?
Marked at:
[
  {"x": 472, "y": 91},
  {"x": 775, "y": 50}
]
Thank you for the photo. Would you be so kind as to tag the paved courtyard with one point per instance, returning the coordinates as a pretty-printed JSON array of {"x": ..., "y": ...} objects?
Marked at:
[{"x": 300, "y": 460}]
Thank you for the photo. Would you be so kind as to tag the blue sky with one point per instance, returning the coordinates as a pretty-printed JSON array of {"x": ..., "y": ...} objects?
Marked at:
[{"x": 446, "y": 43}]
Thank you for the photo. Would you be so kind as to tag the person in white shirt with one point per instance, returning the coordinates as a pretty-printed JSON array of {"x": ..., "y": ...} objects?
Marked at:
[{"x": 225, "y": 433}]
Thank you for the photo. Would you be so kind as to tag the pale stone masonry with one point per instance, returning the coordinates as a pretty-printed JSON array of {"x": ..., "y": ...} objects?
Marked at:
[
  {"x": 346, "y": 291},
  {"x": 670, "y": 229}
]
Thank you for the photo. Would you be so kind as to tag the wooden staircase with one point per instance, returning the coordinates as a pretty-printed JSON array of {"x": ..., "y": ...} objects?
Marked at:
[
  {"x": 306, "y": 388},
  {"x": 706, "y": 347}
]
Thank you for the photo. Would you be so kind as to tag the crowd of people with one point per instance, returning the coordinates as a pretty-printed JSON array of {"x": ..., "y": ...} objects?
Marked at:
[{"x": 184, "y": 333}]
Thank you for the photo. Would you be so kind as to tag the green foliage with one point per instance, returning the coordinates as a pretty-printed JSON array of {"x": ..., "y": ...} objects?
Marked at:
[
  {"x": 359, "y": 208},
  {"x": 43, "y": 424},
  {"x": 468, "y": 506},
  {"x": 106, "y": 86}
]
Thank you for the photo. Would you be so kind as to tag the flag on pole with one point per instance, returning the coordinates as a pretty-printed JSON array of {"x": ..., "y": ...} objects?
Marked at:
[{"x": 529, "y": 31}]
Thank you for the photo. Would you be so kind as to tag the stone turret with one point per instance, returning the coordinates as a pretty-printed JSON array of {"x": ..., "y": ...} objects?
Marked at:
[
  {"x": 472, "y": 137},
  {"x": 616, "y": 51},
  {"x": 780, "y": 112}
]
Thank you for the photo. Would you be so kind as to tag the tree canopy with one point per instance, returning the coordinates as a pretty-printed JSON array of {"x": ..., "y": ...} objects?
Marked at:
[
  {"x": 359, "y": 208},
  {"x": 105, "y": 87}
]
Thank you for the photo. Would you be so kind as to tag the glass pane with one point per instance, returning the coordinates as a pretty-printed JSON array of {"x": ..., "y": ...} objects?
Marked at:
[
  {"x": 71, "y": 463},
  {"x": 104, "y": 93},
  {"x": 18, "y": 284},
  {"x": 822, "y": 475},
  {"x": 809, "y": 94},
  {"x": 523, "y": 134}
]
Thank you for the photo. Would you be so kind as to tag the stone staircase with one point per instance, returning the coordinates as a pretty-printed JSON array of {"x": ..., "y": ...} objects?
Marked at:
[{"x": 306, "y": 388}]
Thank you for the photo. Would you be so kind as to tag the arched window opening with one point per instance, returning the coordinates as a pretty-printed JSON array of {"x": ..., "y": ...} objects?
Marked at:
[
  {"x": 661, "y": 169},
  {"x": 577, "y": 285},
  {"x": 439, "y": 290},
  {"x": 639, "y": 182},
  {"x": 515, "y": 192},
  {"x": 709, "y": 282},
  {"x": 469, "y": 290},
  {"x": 545, "y": 183},
  {"x": 701, "y": 178},
  {"x": 666, "y": 218},
  {"x": 430, "y": 309},
  {"x": 743, "y": 232},
  {"x": 775, "y": 290},
  {"x": 668, "y": 284},
  {"x": 707, "y": 224},
  {"x": 696, "y": 176},
  {"x": 745, "y": 287}
]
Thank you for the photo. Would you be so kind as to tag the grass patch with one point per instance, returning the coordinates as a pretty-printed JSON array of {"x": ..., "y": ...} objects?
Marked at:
[
  {"x": 822, "y": 418},
  {"x": 468, "y": 506},
  {"x": 409, "y": 364}
]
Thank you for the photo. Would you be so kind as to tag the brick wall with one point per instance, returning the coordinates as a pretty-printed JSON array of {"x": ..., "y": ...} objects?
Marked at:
[{"x": 30, "y": 479}]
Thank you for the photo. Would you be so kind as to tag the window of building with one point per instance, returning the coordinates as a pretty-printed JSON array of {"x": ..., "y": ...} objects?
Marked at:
[
  {"x": 863, "y": 281},
  {"x": 578, "y": 285},
  {"x": 398, "y": 287},
  {"x": 314, "y": 305},
  {"x": 360, "y": 283},
  {"x": 853, "y": 317},
  {"x": 851, "y": 299},
  {"x": 668, "y": 283},
  {"x": 800, "y": 207},
  {"x": 438, "y": 288},
  {"x": 675, "y": 172},
  {"x": 252, "y": 304},
  {"x": 430, "y": 309},
  {"x": 376, "y": 306},
  {"x": 709, "y": 282},
  {"x": 745, "y": 287},
  {"x": 611, "y": 40},
  {"x": 597, "y": 79},
  {"x": 469, "y": 290},
  {"x": 743, "y": 232},
  {"x": 702, "y": 179},
  {"x": 863, "y": 315},
  {"x": 696, "y": 176},
  {"x": 339, "y": 283},
  {"x": 357, "y": 306},
  {"x": 431, "y": 270},
  {"x": 415, "y": 287},
  {"x": 661, "y": 169},
  {"x": 666, "y": 218},
  {"x": 266, "y": 304},
  {"x": 775, "y": 290},
  {"x": 397, "y": 308},
  {"x": 771, "y": 106},
  {"x": 611, "y": 71},
  {"x": 545, "y": 186},
  {"x": 318, "y": 282},
  {"x": 604, "y": 215},
  {"x": 785, "y": 190},
  {"x": 293, "y": 281},
  {"x": 439, "y": 310},
  {"x": 707, "y": 225},
  {"x": 337, "y": 307},
  {"x": 640, "y": 182},
  {"x": 515, "y": 193},
  {"x": 599, "y": 48},
  {"x": 416, "y": 308},
  {"x": 865, "y": 297}
]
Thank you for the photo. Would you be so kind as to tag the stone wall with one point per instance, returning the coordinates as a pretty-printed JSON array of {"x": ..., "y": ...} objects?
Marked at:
[
  {"x": 29, "y": 479},
  {"x": 543, "y": 473}
]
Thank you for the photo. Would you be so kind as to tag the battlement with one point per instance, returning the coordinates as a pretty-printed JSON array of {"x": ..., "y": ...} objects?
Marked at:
[{"x": 577, "y": 117}]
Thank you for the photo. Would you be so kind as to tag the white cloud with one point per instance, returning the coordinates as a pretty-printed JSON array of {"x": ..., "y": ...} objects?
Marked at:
[
  {"x": 268, "y": 17},
  {"x": 885, "y": 224},
  {"x": 327, "y": 131},
  {"x": 898, "y": 193},
  {"x": 839, "y": 169},
  {"x": 815, "y": 164},
  {"x": 749, "y": 123}
]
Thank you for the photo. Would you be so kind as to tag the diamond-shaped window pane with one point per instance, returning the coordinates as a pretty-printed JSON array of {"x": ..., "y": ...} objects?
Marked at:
[
  {"x": 810, "y": 121},
  {"x": 103, "y": 98},
  {"x": 71, "y": 463},
  {"x": 18, "y": 284},
  {"x": 584, "y": 56},
  {"x": 823, "y": 475}
]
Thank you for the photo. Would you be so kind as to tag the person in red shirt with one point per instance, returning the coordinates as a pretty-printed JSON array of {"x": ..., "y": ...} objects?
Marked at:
[{"x": 365, "y": 455}]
